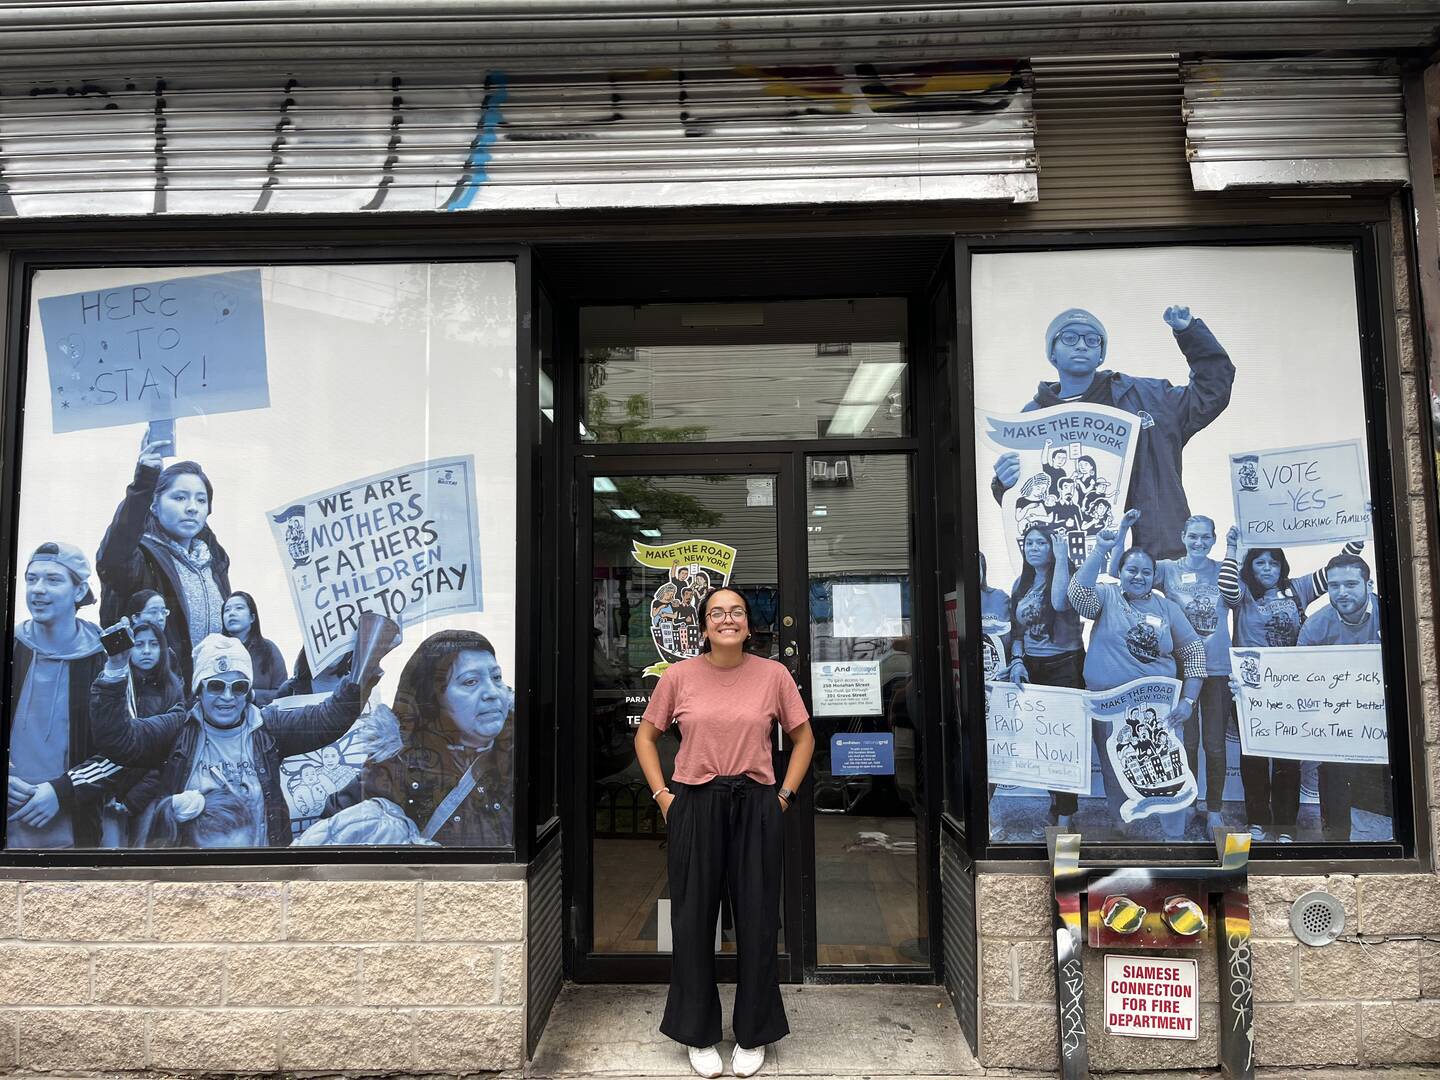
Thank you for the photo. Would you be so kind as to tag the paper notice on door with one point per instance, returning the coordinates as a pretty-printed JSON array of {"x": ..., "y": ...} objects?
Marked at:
[
  {"x": 849, "y": 688},
  {"x": 759, "y": 491},
  {"x": 869, "y": 609}
]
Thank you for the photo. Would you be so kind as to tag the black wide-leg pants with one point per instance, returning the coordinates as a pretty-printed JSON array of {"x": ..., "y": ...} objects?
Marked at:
[{"x": 724, "y": 835}]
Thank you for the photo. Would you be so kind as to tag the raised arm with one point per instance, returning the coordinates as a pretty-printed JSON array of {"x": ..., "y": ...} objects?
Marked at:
[
  {"x": 1060, "y": 572},
  {"x": 1083, "y": 597},
  {"x": 1212, "y": 375},
  {"x": 119, "y": 563},
  {"x": 1319, "y": 582},
  {"x": 126, "y": 739},
  {"x": 298, "y": 731},
  {"x": 1229, "y": 578},
  {"x": 1126, "y": 523}
]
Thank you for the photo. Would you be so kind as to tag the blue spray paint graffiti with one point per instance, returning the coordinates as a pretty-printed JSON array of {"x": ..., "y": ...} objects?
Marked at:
[{"x": 496, "y": 91}]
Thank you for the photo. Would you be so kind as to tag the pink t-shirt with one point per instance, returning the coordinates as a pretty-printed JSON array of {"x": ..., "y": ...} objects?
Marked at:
[{"x": 725, "y": 715}]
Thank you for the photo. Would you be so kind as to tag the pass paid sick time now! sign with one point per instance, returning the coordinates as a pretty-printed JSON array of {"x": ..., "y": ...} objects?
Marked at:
[{"x": 1152, "y": 997}]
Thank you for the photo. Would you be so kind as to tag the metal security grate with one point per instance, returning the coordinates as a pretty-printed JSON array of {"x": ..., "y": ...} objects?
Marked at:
[{"x": 1317, "y": 918}]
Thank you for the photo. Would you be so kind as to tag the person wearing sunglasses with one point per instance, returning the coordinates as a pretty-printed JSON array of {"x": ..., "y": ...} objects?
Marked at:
[
  {"x": 219, "y": 739},
  {"x": 723, "y": 815},
  {"x": 1075, "y": 345}
]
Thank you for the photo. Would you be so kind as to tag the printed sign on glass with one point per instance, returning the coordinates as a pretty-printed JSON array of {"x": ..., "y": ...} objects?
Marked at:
[
  {"x": 695, "y": 568},
  {"x": 156, "y": 350},
  {"x": 1301, "y": 495},
  {"x": 1148, "y": 758}
]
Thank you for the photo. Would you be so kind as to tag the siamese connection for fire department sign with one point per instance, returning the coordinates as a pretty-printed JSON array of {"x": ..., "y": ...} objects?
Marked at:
[{"x": 1153, "y": 997}]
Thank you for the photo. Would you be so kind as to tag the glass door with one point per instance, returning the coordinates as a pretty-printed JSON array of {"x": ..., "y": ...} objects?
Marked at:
[{"x": 661, "y": 534}]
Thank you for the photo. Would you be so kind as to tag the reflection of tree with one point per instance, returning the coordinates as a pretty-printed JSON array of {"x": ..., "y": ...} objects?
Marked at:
[
  {"x": 632, "y": 422},
  {"x": 657, "y": 506},
  {"x": 457, "y": 300}
]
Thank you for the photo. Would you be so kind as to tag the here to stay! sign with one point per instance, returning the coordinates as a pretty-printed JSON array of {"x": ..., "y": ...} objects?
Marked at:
[{"x": 1153, "y": 997}]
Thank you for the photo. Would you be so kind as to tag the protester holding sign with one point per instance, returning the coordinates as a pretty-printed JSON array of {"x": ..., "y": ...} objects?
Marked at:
[
  {"x": 1269, "y": 607},
  {"x": 455, "y": 778},
  {"x": 160, "y": 539},
  {"x": 1137, "y": 635},
  {"x": 1046, "y": 646},
  {"x": 1193, "y": 583},
  {"x": 1075, "y": 344},
  {"x": 1349, "y": 619}
]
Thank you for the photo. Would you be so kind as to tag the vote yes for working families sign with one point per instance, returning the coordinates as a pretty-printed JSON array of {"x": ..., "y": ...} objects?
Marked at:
[
  {"x": 404, "y": 544},
  {"x": 1313, "y": 703},
  {"x": 1074, "y": 470},
  {"x": 1301, "y": 494}
]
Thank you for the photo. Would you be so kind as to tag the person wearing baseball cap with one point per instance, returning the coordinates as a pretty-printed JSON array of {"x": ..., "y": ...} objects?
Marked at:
[
  {"x": 56, "y": 786},
  {"x": 1075, "y": 345},
  {"x": 220, "y": 740}
]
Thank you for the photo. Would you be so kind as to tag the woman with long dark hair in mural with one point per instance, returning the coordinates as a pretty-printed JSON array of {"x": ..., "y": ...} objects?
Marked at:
[
  {"x": 160, "y": 539},
  {"x": 219, "y": 739},
  {"x": 723, "y": 812},
  {"x": 1137, "y": 634},
  {"x": 1045, "y": 643},
  {"x": 1269, "y": 607},
  {"x": 455, "y": 776},
  {"x": 242, "y": 621}
]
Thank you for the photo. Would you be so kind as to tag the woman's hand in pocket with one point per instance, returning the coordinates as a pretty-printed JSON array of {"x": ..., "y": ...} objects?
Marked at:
[{"x": 666, "y": 799}]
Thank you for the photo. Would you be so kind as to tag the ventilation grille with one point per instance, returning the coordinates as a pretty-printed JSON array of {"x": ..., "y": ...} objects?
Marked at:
[{"x": 1317, "y": 918}]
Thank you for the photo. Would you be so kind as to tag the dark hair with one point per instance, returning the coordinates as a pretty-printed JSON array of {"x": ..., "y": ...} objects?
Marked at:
[
  {"x": 166, "y": 480},
  {"x": 160, "y": 674},
  {"x": 1091, "y": 460},
  {"x": 224, "y": 813},
  {"x": 1247, "y": 571},
  {"x": 1026, "y": 581},
  {"x": 1345, "y": 561},
  {"x": 254, "y": 616},
  {"x": 138, "y": 600},
  {"x": 422, "y": 682},
  {"x": 1135, "y": 549},
  {"x": 705, "y": 613}
]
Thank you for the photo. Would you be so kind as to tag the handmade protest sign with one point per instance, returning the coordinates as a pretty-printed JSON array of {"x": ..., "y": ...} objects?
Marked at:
[
  {"x": 404, "y": 543},
  {"x": 1038, "y": 737},
  {"x": 1147, "y": 756},
  {"x": 1074, "y": 470},
  {"x": 696, "y": 568},
  {"x": 1312, "y": 703},
  {"x": 1301, "y": 494},
  {"x": 156, "y": 350}
]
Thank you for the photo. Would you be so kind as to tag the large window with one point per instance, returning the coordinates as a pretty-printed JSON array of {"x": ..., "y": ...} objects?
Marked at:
[
  {"x": 1183, "y": 613},
  {"x": 265, "y": 545}
]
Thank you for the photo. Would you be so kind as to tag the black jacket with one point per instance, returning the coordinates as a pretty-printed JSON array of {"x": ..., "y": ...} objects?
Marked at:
[
  {"x": 83, "y": 788},
  {"x": 129, "y": 561},
  {"x": 170, "y": 739}
]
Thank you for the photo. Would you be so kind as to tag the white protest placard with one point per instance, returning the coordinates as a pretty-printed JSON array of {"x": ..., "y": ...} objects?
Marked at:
[
  {"x": 1037, "y": 737},
  {"x": 1313, "y": 703},
  {"x": 1152, "y": 997},
  {"x": 1301, "y": 494},
  {"x": 1146, "y": 752},
  {"x": 404, "y": 544},
  {"x": 1074, "y": 470},
  {"x": 846, "y": 688}
]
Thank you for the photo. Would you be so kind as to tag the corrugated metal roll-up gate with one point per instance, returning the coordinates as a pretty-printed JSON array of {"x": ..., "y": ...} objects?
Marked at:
[
  {"x": 1296, "y": 121},
  {"x": 662, "y": 137}
]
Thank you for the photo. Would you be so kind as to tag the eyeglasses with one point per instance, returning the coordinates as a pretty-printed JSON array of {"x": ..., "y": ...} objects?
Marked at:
[
  {"x": 219, "y": 686},
  {"x": 1074, "y": 337},
  {"x": 736, "y": 614}
]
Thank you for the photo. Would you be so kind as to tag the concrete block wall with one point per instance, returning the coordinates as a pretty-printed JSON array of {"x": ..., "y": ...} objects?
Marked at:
[
  {"x": 261, "y": 975},
  {"x": 1370, "y": 999}
]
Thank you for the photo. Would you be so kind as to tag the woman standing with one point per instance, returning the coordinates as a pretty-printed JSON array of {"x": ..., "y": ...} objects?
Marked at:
[
  {"x": 242, "y": 621},
  {"x": 725, "y": 828},
  {"x": 1137, "y": 634},
  {"x": 455, "y": 778},
  {"x": 1269, "y": 608},
  {"x": 160, "y": 539},
  {"x": 1045, "y": 644}
]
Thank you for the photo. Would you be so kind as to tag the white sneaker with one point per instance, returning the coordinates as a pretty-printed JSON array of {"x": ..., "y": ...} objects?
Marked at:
[
  {"x": 747, "y": 1062},
  {"x": 706, "y": 1061}
]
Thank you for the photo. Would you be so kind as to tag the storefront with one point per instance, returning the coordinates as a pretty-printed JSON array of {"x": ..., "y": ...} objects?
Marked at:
[{"x": 524, "y": 360}]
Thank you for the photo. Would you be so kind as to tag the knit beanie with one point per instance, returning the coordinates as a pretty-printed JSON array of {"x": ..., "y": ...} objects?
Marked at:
[
  {"x": 1067, "y": 317},
  {"x": 217, "y": 653}
]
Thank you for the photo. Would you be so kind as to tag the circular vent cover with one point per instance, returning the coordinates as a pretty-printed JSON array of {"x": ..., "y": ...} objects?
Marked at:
[{"x": 1317, "y": 918}]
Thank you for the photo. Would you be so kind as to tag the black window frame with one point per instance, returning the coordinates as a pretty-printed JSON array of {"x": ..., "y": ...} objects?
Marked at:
[
  {"x": 1373, "y": 255},
  {"x": 169, "y": 244}
]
